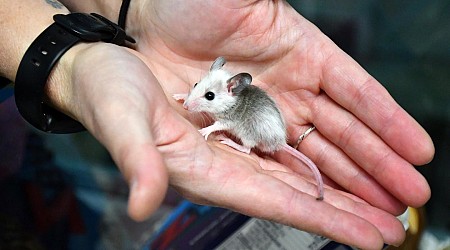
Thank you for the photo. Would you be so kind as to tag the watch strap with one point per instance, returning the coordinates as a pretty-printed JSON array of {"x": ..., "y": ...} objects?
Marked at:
[
  {"x": 42, "y": 55},
  {"x": 123, "y": 13},
  {"x": 34, "y": 69}
]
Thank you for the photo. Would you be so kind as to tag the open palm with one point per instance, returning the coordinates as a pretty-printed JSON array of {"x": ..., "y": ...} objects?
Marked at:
[
  {"x": 365, "y": 143},
  {"x": 144, "y": 133}
]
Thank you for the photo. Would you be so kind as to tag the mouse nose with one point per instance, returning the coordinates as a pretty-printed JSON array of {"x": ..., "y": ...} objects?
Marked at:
[{"x": 185, "y": 106}]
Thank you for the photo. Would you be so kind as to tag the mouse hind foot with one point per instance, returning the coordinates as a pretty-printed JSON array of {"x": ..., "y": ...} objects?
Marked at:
[{"x": 227, "y": 141}]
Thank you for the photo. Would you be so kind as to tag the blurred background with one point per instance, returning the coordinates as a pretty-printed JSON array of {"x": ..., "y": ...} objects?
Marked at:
[{"x": 64, "y": 192}]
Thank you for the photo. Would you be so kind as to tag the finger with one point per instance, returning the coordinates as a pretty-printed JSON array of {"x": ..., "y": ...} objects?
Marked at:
[
  {"x": 234, "y": 185},
  {"x": 135, "y": 153},
  {"x": 388, "y": 225},
  {"x": 369, "y": 152},
  {"x": 334, "y": 163},
  {"x": 353, "y": 88},
  {"x": 302, "y": 211},
  {"x": 149, "y": 183}
]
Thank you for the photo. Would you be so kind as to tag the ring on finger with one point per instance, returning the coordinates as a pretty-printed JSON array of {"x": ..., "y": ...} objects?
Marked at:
[{"x": 303, "y": 136}]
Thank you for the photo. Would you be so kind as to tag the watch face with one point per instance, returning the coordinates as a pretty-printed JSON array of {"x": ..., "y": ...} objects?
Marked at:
[{"x": 85, "y": 26}]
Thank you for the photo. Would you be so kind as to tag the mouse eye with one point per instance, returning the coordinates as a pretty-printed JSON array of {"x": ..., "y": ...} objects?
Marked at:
[
  {"x": 195, "y": 84},
  {"x": 209, "y": 96}
]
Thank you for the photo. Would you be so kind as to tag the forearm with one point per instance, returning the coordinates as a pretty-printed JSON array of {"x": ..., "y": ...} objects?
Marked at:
[{"x": 21, "y": 22}]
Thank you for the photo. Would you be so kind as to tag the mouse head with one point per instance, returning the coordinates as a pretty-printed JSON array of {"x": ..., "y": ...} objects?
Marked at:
[{"x": 217, "y": 91}]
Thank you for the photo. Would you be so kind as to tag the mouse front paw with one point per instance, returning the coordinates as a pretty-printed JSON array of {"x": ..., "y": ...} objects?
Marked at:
[
  {"x": 217, "y": 126},
  {"x": 179, "y": 97},
  {"x": 205, "y": 132}
]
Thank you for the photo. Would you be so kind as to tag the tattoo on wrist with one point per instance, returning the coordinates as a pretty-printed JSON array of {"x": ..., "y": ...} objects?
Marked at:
[{"x": 55, "y": 4}]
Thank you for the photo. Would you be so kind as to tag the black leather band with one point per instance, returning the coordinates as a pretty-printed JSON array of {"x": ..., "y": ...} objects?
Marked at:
[
  {"x": 41, "y": 57},
  {"x": 32, "y": 75},
  {"x": 123, "y": 13}
]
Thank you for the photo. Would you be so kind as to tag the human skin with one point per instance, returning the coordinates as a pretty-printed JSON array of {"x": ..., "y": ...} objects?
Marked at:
[{"x": 121, "y": 96}]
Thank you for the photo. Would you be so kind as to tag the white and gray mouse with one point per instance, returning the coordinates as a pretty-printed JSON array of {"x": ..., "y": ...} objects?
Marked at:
[{"x": 243, "y": 110}]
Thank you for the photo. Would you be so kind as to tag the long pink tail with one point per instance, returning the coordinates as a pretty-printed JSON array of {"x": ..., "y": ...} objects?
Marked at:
[{"x": 311, "y": 165}]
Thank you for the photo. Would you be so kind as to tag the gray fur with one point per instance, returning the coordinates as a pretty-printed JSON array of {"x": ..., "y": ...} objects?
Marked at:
[
  {"x": 240, "y": 108},
  {"x": 245, "y": 111},
  {"x": 255, "y": 119}
]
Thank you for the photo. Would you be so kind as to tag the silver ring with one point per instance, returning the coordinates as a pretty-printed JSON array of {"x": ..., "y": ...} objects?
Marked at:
[{"x": 303, "y": 136}]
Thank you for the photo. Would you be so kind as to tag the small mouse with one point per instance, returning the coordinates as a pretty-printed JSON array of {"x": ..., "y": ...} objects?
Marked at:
[{"x": 243, "y": 110}]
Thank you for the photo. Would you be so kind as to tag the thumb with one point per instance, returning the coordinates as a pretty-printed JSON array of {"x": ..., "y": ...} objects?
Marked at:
[
  {"x": 140, "y": 162},
  {"x": 148, "y": 181}
]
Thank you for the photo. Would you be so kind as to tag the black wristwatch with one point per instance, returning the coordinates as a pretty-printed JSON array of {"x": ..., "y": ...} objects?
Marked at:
[{"x": 41, "y": 57}]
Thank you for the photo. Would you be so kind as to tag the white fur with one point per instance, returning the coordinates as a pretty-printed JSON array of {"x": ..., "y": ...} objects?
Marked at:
[
  {"x": 215, "y": 82},
  {"x": 253, "y": 118}
]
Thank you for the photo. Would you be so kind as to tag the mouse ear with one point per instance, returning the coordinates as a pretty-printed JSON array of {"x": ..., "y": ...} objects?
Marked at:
[
  {"x": 218, "y": 63},
  {"x": 238, "y": 82}
]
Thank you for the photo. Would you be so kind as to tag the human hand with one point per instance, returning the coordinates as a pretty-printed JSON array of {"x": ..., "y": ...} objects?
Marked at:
[
  {"x": 365, "y": 143},
  {"x": 129, "y": 114},
  {"x": 116, "y": 97}
]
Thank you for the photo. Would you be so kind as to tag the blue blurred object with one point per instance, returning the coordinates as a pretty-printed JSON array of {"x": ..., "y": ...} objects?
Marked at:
[{"x": 6, "y": 93}]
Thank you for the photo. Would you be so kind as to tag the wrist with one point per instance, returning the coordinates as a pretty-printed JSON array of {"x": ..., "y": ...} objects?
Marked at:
[
  {"x": 40, "y": 60},
  {"x": 59, "y": 89}
]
